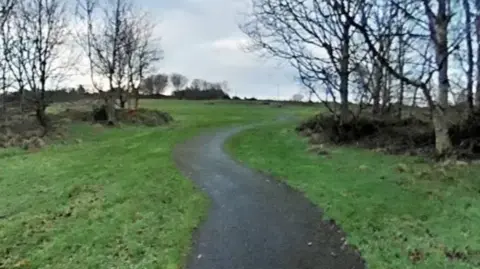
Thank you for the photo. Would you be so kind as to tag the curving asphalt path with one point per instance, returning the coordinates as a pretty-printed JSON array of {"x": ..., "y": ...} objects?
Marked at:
[{"x": 255, "y": 222}]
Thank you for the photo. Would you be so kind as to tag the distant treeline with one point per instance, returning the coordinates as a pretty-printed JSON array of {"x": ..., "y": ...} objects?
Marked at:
[{"x": 188, "y": 93}]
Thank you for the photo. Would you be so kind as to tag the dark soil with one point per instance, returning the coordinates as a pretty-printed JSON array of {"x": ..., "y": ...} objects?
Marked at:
[
  {"x": 140, "y": 116},
  {"x": 411, "y": 136}
]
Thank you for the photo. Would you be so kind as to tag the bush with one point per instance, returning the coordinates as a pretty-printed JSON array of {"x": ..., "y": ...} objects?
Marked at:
[
  {"x": 411, "y": 135},
  {"x": 335, "y": 131},
  {"x": 25, "y": 132},
  {"x": 195, "y": 94},
  {"x": 408, "y": 135},
  {"x": 98, "y": 114},
  {"x": 465, "y": 135},
  {"x": 143, "y": 116}
]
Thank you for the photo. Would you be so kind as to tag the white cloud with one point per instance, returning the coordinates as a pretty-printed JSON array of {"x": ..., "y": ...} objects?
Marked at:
[
  {"x": 231, "y": 44},
  {"x": 201, "y": 39}
]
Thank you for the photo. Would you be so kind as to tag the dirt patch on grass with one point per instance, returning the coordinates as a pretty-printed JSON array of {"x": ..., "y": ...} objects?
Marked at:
[
  {"x": 412, "y": 136},
  {"x": 83, "y": 200}
]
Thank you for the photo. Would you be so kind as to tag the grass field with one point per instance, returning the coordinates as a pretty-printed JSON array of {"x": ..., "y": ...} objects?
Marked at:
[
  {"x": 399, "y": 211},
  {"x": 110, "y": 198}
]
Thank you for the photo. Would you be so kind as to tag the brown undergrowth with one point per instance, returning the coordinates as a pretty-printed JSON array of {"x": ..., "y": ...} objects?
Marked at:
[
  {"x": 412, "y": 135},
  {"x": 21, "y": 129}
]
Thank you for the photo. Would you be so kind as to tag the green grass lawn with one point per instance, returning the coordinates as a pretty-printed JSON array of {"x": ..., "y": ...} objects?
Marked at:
[
  {"x": 113, "y": 198},
  {"x": 398, "y": 219}
]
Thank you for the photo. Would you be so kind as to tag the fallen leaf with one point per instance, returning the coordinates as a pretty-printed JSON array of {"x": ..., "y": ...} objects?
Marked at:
[
  {"x": 22, "y": 264},
  {"x": 402, "y": 168},
  {"x": 363, "y": 167}
]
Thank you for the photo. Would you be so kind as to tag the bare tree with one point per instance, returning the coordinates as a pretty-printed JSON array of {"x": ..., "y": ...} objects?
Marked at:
[
  {"x": 148, "y": 86},
  {"x": 470, "y": 59},
  {"x": 120, "y": 46},
  {"x": 380, "y": 90},
  {"x": 204, "y": 85},
  {"x": 477, "y": 34},
  {"x": 38, "y": 30},
  {"x": 214, "y": 86},
  {"x": 198, "y": 84},
  {"x": 313, "y": 36},
  {"x": 101, "y": 41},
  {"x": 156, "y": 84},
  {"x": 178, "y": 81},
  {"x": 225, "y": 86},
  {"x": 439, "y": 36},
  {"x": 402, "y": 46},
  {"x": 141, "y": 51},
  {"x": 160, "y": 83},
  {"x": 102, "y": 37},
  {"x": 6, "y": 8},
  {"x": 436, "y": 23},
  {"x": 81, "y": 89}
]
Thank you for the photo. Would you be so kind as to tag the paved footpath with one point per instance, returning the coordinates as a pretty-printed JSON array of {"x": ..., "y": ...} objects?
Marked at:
[{"x": 255, "y": 222}]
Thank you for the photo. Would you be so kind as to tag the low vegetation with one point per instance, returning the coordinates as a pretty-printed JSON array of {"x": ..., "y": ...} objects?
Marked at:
[
  {"x": 22, "y": 129},
  {"x": 400, "y": 211},
  {"x": 109, "y": 197},
  {"x": 366, "y": 52},
  {"x": 103, "y": 191},
  {"x": 412, "y": 135}
]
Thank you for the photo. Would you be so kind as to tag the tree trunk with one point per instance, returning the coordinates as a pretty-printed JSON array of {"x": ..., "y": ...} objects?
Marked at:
[
  {"x": 3, "y": 104},
  {"x": 129, "y": 103},
  {"x": 387, "y": 84},
  {"x": 22, "y": 99},
  {"x": 344, "y": 74},
  {"x": 42, "y": 116},
  {"x": 414, "y": 101},
  {"x": 477, "y": 90},
  {"x": 387, "y": 77},
  {"x": 378, "y": 79},
  {"x": 344, "y": 109},
  {"x": 477, "y": 32},
  {"x": 400, "y": 71},
  {"x": 122, "y": 99},
  {"x": 400, "y": 100},
  {"x": 376, "y": 89},
  {"x": 468, "y": 40},
  {"x": 136, "y": 97},
  {"x": 110, "y": 106},
  {"x": 443, "y": 144},
  {"x": 440, "y": 118}
]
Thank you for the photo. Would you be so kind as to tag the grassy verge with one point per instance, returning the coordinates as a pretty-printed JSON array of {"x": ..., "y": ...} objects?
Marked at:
[
  {"x": 400, "y": 212},
  {"x": 111, "y": 198}
]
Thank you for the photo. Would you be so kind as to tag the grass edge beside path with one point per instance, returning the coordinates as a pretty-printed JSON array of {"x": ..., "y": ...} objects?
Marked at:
[{"x": 400, "y": 212}]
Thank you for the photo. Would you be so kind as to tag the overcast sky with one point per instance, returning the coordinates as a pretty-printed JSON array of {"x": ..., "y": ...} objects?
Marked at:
[{"x": 201, "y": 39}]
